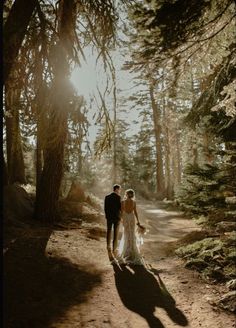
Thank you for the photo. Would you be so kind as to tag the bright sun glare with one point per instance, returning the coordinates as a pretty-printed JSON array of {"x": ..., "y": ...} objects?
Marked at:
[{"x": 84, "y": 79}]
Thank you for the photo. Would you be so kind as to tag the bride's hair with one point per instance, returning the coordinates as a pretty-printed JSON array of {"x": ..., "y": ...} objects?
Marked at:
[{"x": 129, "y": 193}]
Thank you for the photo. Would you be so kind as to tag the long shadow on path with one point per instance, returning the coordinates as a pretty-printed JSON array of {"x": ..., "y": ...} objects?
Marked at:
[
  {"x": 141, "y": 293},
  {"x": 39, "y": 290}
]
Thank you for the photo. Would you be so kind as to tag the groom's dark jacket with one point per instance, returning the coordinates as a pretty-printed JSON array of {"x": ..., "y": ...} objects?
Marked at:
[{"x": 112, "y": 207}]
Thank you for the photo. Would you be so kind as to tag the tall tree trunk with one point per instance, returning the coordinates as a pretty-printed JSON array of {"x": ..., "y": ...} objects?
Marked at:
[
  {"x": 14, "y": 32},
  {"x": 193, "y": 141},
  {"x": 168, "y": 183},
  {"x": 15, "y": 159},
  {"x": 49, "y": 187},
  {"x": 114, "y": 170},
  {"x": 39, "y": 152},
  {"x": 167, "y": 165},
  {"x": 115, "y": 129},
  {"x": 41, "y": 109},
  {"x": 160, "y": 183},
  {"x": 174, "y": 162},
  {"x": 178, "y": 159},
  {"x": 80, "y": 157}
]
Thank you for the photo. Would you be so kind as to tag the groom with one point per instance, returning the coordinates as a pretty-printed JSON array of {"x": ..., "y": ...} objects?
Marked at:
[{"x": 112, "y": 207}]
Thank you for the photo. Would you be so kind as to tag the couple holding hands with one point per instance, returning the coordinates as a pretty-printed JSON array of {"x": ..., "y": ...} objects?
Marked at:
[{"x": 127, "y": 250}]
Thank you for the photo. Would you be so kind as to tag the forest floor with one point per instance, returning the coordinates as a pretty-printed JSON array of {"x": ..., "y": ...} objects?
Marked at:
[{"x": 62, "y": 278}]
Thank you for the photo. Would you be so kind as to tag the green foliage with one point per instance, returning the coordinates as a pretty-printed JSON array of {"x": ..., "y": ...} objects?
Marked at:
[
  {"x": 158, "y": 18},
  {"x": 198, "y": 247},
  {"x": 200, "y": 187},
  {"x": 213, "y": 257},
  {"x": 205, "y": 187},
  {"x": 212, "y": 102}
]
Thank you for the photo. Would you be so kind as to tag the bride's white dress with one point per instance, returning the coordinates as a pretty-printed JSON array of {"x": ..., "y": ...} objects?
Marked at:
[{"x": 129, "y": 247}]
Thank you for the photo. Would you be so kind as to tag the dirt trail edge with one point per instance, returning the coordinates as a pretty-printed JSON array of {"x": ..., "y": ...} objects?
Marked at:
[{"x": 74, "y": 285}]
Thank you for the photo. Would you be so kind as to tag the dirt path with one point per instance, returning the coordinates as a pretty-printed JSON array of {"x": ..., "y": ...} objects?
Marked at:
[{"x": 76, "y": 286}]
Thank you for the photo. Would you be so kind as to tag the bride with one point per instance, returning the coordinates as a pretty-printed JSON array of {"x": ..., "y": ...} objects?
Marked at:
[{"x": 131, "y": 240}]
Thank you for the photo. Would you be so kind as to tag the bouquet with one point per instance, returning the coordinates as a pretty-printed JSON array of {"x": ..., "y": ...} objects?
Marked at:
[{"x": 141, "y": 229}]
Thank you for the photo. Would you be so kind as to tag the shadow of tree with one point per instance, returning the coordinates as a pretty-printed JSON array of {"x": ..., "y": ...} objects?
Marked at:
[
  {"x": 140, "y": 292},
  {"x": 39, "y": 289}
]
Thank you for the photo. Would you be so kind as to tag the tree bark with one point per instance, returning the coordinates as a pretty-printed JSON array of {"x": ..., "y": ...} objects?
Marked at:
[
  {"x": 47, "y": 194},
  {"x": 178, "y": 155},
  {"x": 39, "y": 155},
  {"x": 167, "y": 164},
  {"x": 176, "y": 158},
  {"x": 15, "y": 159},
  {"x": 80, "y": 157},
  {"x": 193, "y": 141},
  {"x": 41, "y": 110},
  {"x": 160, "y": 183},
  {"x": 168, "y": 181},
  {"x": 46, "y": 205},
  {"x": 14, "y": 32},
  {"x": 48, "y": 190}
]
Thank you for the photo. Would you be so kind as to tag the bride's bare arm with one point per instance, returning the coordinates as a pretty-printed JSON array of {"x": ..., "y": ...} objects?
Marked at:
[{"x": 136, "y": 213}]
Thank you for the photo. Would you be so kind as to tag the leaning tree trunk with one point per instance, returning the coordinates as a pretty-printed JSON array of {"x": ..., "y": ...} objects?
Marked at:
[
  {"x": 160, "y": 183},
  {"x": 46, "y": 205},
  {"x": 14, "y": 32},
  {"x": 15, "y": 159}
]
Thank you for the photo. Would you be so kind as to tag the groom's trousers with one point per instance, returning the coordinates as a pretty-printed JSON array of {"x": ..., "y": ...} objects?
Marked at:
[{"x": 115, "y": 226}]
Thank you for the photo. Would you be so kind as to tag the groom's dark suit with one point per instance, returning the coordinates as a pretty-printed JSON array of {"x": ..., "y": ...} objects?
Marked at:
[{"x": 112, "y": 208}]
